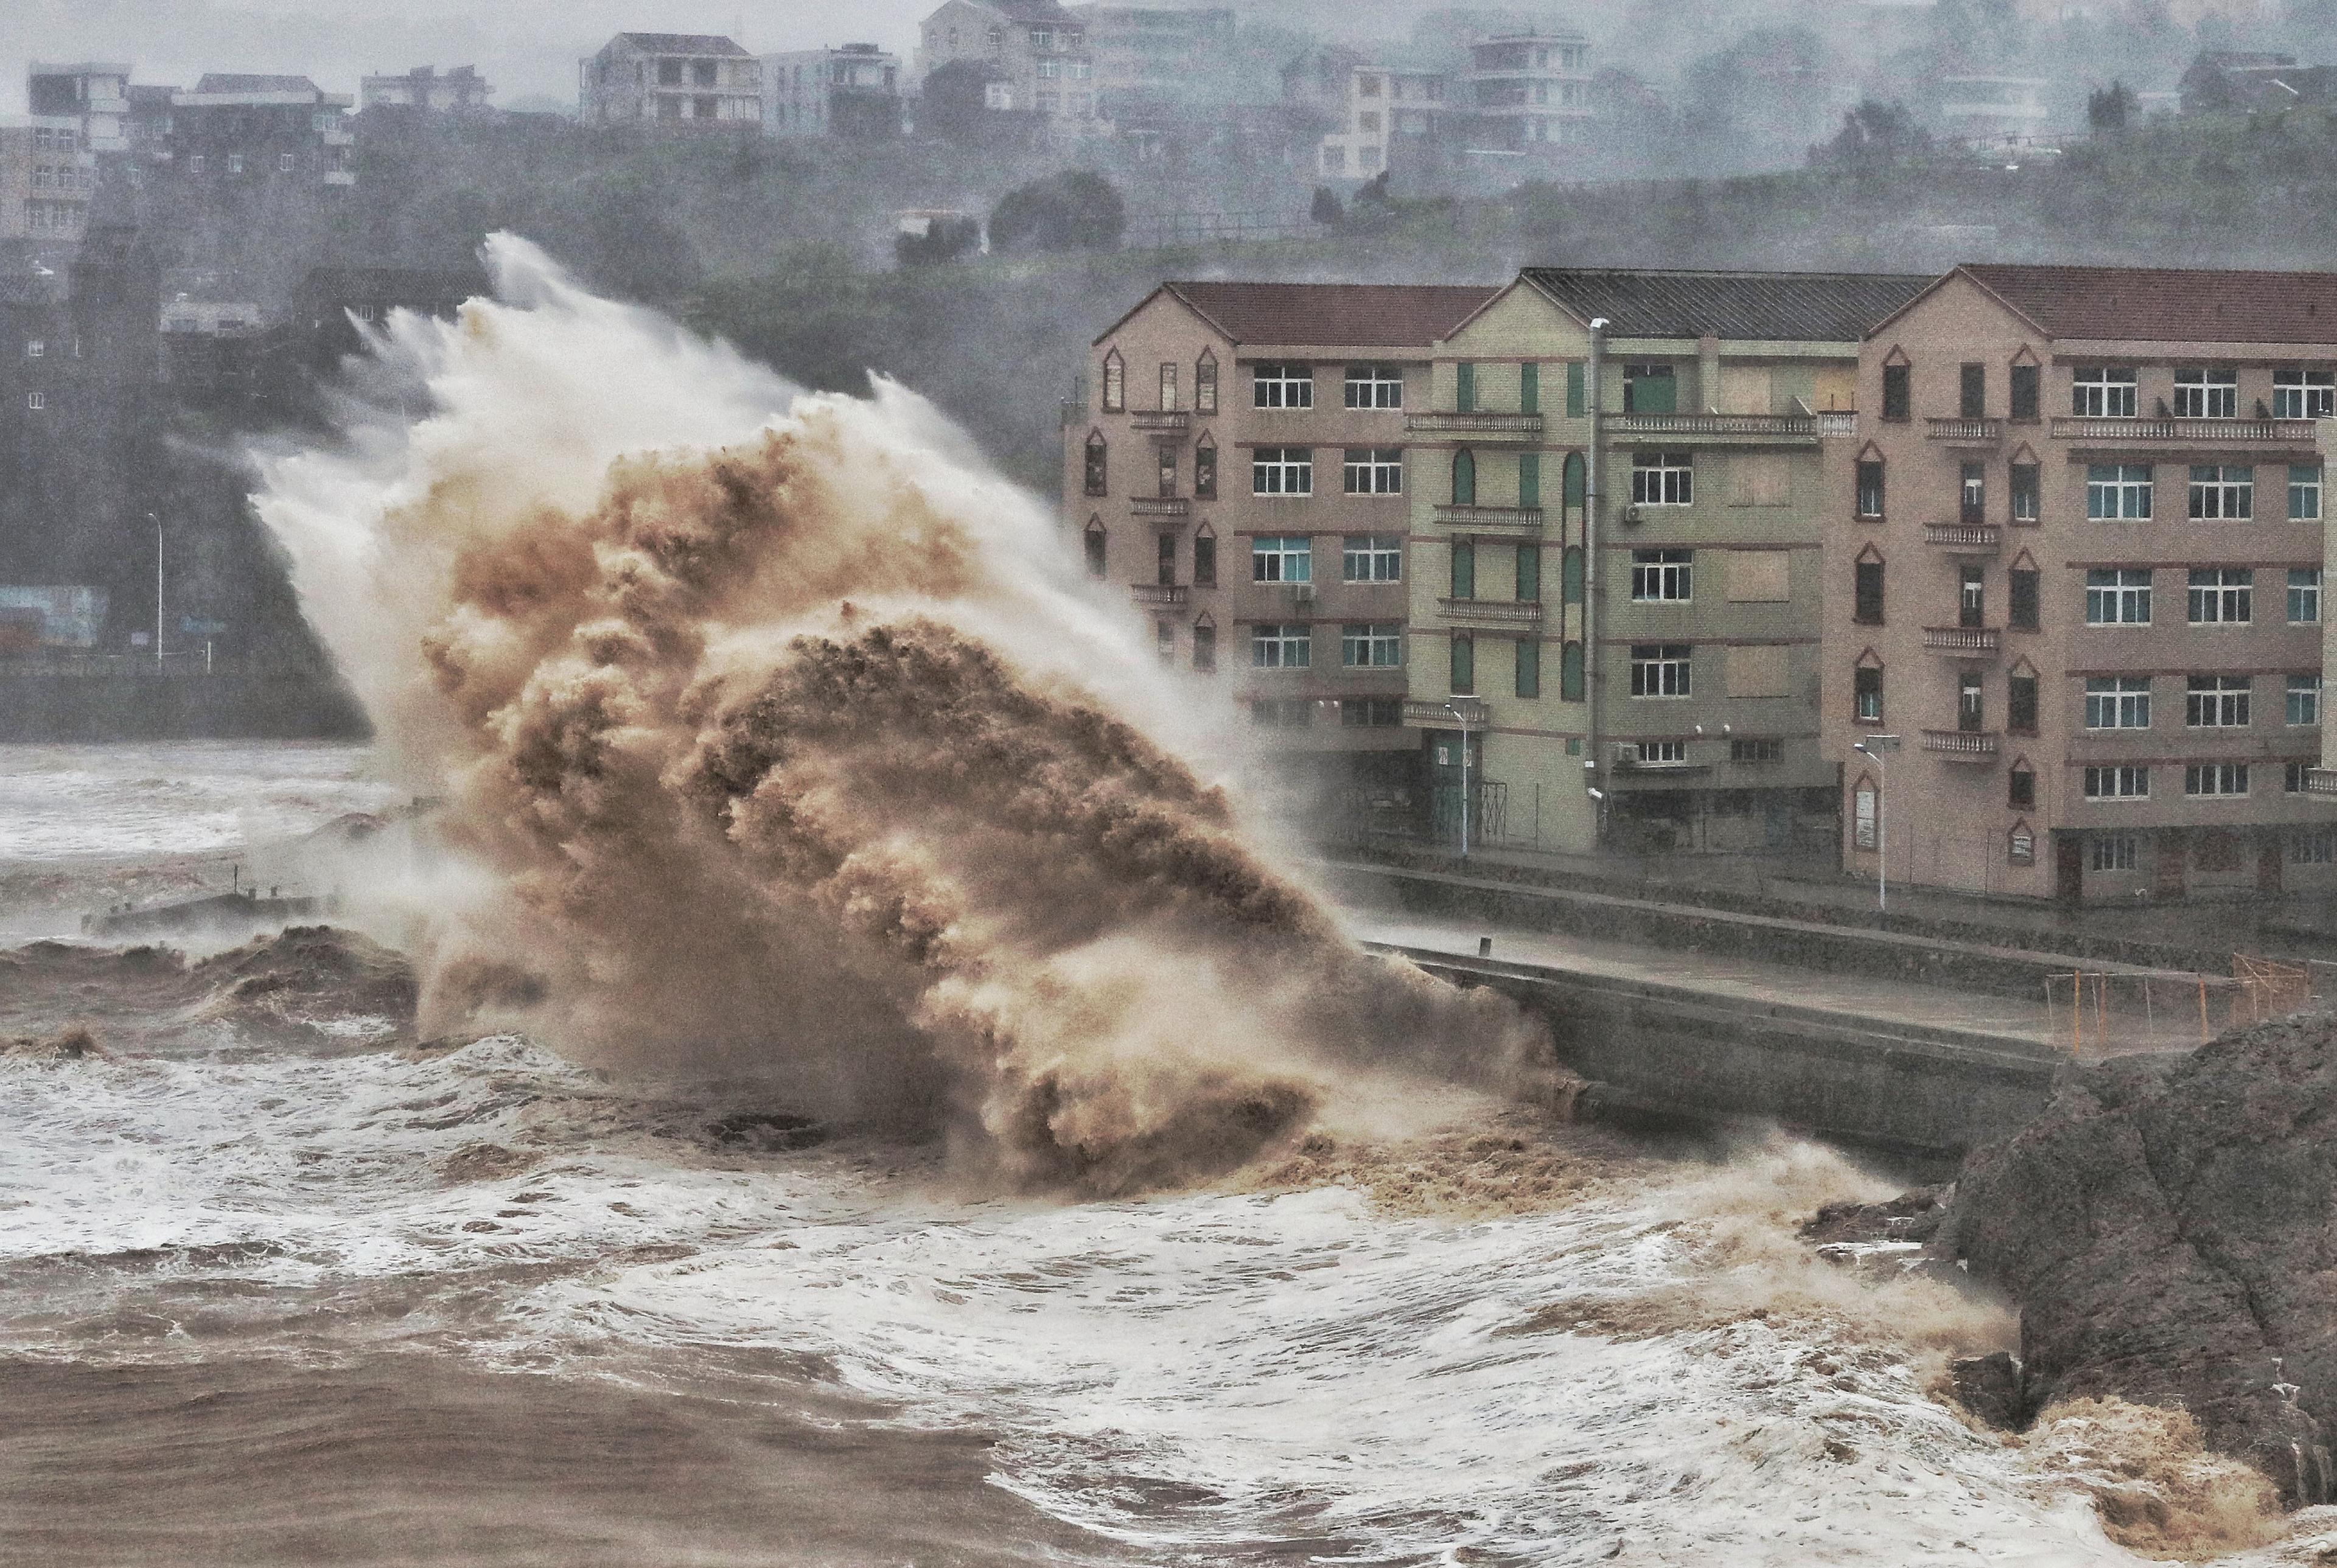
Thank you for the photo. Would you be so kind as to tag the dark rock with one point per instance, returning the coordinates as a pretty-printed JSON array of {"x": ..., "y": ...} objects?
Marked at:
[
  {"x": 1912, "y": 1216},
  {"x": 2168, "y": 1229},
  {"x": 1991, "y": 1388}
]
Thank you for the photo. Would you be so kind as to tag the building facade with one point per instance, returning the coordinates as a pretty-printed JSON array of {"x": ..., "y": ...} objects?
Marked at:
[
  {"x": 1239, "y": 468},
  {"x": 672, "y": 82},
  {"x": 1531, "y": 92},
  {"x": 92, "y": 95},
  {"x": 2074, "y": 575},
  {"x": 1615, "y": 533},
  {"x": 1384, "y": 106},
  {"x": 47, "y": 178},
  {"x": 1035, "y": 54},
  {"x": 1147, "y": 56},
  {"x": 461, "y": 90},
  {"x": 854, "y": 91},
  {"x": 236, "y": 132}
]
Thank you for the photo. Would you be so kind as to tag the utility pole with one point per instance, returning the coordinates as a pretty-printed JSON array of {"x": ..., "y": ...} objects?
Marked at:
[
  {"x": 1454, "y": 709},
  {"x": 1873, "y": 747},
  {"x": 158, "y": 587}
]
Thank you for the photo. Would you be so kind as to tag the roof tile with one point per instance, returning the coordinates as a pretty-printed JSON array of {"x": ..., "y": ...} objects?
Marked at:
[
  {"x": 681, "y": 42},
  {"x": 1365, "y": 315},
  {"x": 2164, "y": 304},
  {"x": 1777, "y": 307}
]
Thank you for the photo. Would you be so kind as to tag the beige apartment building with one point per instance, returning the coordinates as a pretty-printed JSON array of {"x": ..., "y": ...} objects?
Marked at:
[
  {"x": 2074, "y": 575},
  {"x": 1035, "y": 53},
  {"x": 672, "y": 82},
  {"x": 1531, "y": 90},
  {"x": 1616, "y": 506},
  {"x": 1239, "y": 467}
]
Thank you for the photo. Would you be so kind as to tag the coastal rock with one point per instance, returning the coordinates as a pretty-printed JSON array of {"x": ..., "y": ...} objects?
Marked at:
[
  {"x": 2168, "y": 1229},
  {"x": 1991, "y": 1388}
]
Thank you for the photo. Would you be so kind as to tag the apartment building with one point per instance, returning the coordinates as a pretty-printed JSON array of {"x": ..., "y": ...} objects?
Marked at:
[
  {"x": 1150, "y": 55},
  {"x": 672, "y": 82},
  {"x": 94, "y": 94},
  {"x": 1531, "y": 90},
  {"x": 1616, "y": 518},
  {"x": 1384, "y": 106},
  {"x": 2074, "y": 568},
  {"x": 239, "y": 131},
  {"x": 1035, "y": 51},
  {"x": 853, "y": 92},
  {"x": 460, "y": 91},
  {"x": 1239, "y": 467},
  {"x": 47, "y": 178}
]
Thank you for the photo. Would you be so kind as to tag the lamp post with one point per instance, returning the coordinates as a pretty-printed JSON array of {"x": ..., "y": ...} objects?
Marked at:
[
  {"x": 1457, "y": 712},
  {"x": 158, "y": 587},
  {"x": 1873, "y": 747}
]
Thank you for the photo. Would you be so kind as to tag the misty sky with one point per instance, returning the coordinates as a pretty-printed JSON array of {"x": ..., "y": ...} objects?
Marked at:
[{"x": 528, "y": 48}]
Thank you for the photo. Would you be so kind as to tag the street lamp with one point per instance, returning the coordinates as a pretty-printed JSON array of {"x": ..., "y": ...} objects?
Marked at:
[
  {"x": 158, "y": 587},
  {"x": 1455, "y": 710},
  {"x": 1873, "y": 747}
]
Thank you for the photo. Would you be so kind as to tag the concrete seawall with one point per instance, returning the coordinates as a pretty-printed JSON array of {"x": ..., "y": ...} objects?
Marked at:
[{"x": 135, "y": 703}]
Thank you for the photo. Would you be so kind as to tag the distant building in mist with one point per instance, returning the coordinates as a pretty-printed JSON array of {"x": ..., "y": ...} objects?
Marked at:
[
  {"x": 1036, "y": 53},
  {"x": 461, "y": 90},
  {"x": 47, "y": 177},
  {"x": 853, "y": 92},
  {"x": 1984, "y": 110},
  {"x": 1531, "y": 92},
  {"x": 94, "y": 95},
  {"x": 672, "y": 82},
  {"x": 238, "y": 132},
  {"x": 1149, "y": 58},
  {"x": 1383, "y": 105}
]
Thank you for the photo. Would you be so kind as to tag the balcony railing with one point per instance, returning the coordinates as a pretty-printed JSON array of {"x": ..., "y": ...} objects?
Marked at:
[
  {"x": 1514, "y": 427},
  {"x": 2205, "y": 432},
  {"x": 1160, "y": 418},
  {"x": 1489, "y": 611},
  {"x": 2320, "y": 781},
  {"x": 1965, "y": 432},
  {"x": 1833, "y": 423},
  {"x": 1965, "y": 538},
  {"x": 1161, "y": 505},
  {"x": 1429, "y": 713},
  {"x": 1961, "y": 745},
  {"x": 1157, "y": 592},
  {"x": 1795, "y": 427},
  {"x": 1505, "y": 519},
  {"x": 1963, "y": 639}
]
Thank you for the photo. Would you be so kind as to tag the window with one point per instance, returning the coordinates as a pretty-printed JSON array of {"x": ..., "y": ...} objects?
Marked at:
[
  {"x": 2295, "y": 778},
  {"x": 2124, "y": 782},
  {"x": 1661, "y": 753},
  {"x": 2102, "y": 392},
  {"x": 1528, "y": 681},
  {"x": 1204, "y": 471},
  {"x": 1764, "y": 749},
  {"x": 1662, "y": 477},
  {"x": 1974, "y": 494},
  {"x": 2303, "y": 595},
  {"x": 1285, "y": 559},
  {"x": 1528, "y": 574},
  {"x": 1650, "y": 389},
  {"x": 1284, "y": 713},
  {"x": 1372, "y": 645},
  {"x": 2022, "y": 615},
  {"x": 2020, "y": 704},
  {"x": 1115, "y": 383},
  {"x": 2215, "y": 778},
  {"x": 2304, "y": 492},
  {"x": 1968, "y": 702},
  {"x": 1972, "y": 596},
  {"x": 2222, "y": 489},
  {"x": 1529, "y": 480},
  {"x": 2020, "y": 789},
  {"x": 1870, "y": 487},
  {"x": 34, "y": 348},
  {"x": 1370, "y": 712},
  {"x": 1095, "y": 549},
  {"x": 1464, "y": 569},
  {"x": 1167, "y": 467},
  {"x": 1204, "y": 647},
  {"x": 2221, "y": 596},
  {"x": 195, "y": 164},
  {"x": 2117, "y": 595},
  {"x": 1465, "y": 663},
  {"x": 284, "y": 161},
  {"x": 2206, "y": 392},
  {"x": 2304, "y": 699},
  {"x": 1661, "y": 670},
  {"x": 1659, "y": 576},
  {"x": 1282, "y": 386},
  {"x": 235, "y": 163},
  {"x": 1275, "y": 646},
  {"x": 1164, "y": 641},
  {"x": 1168, "y": 389},
  {"x": 1897, "y": 392},
  {"x": 36, "y": 401},
  {"x": 1374, "y": 471},
  {"x": 2318, "y": 848},
  {"x": 1096, "y": 471},
  {"x": 2117, "y": 702},
  {"x": 1464, "y": 478},
  {"x": 1868, "y": 605},
  {"x": 1205, "y": 560},
  {"x": 1375, "y": 387},
  {"x": 2118, "y": 490},
  {"x": 2115, "y": 852},
  {"x": 2216, "y": 702},
  {"x": 1867, "y": 687},
  {"x": 1282, "y": 470},
  {"x": 1372, "y": 557},
  {"x": 1167, "y": 577},
  {"x": 1465, "y": 387},
  {"x": 2024, "y": 392},
  {"x": 2303, "y": 393},
  {"x": 1971, "y": 392},
  {"x": 2025, "y": 487}
]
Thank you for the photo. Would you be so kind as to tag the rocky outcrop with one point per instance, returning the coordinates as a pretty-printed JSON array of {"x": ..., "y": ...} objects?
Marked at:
[{"x": 2168, "y": 1229}]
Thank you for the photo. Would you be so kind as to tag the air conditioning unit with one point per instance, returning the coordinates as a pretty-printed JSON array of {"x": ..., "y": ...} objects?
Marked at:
[
  {"x": 1631, "y": 515},
  {"x": 1627, "y": 753},
  {"x": 1300, "y": 592}
]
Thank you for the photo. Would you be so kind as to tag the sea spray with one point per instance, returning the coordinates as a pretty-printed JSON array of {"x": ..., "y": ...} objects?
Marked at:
[{"x": 776, "y": 737}]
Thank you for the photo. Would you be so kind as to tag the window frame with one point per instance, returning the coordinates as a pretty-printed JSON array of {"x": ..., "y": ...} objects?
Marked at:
[
  {"x": 1372, "y": 639},
  {"x": 2220, "y": 780},
  {"x": 1380, "y": 386},
  {"x": 1284, "y": 551},
  {"x": 2206, "y": 392},
  {"x": 1373, "y": 550},
  {"x": 1292, "y": 477},
  {"x": 1380, "y": 469},
  {"x": 1663, "y": 478},
  {"x": 2104, "y": 392},
  {"x": 1663, "y": 671},
  {"x": 2304, "y": 492},
  {"x": 2303, "y": 595},
  {"x": 1282, "y": 385},
  {"x": 2220, "y": 596},
  {"x": 1281, "y": 645},
  {"x": 2117, "y": 702},
  {"x": 2218, "y": 701},
  {"x": 2131, "y": 781},
  {"x": 2303, "y": 393},
  {"x": 1664, "y": 569},
  {"x": 2121, "y": 594},
  {"x": 2120, "y": 491},
  {"x": 2301, "y": 693},
  {"x": 2213, "y": 493}
]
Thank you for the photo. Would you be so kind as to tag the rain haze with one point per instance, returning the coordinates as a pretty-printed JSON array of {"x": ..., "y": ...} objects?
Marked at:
[{"x": 1002, "y": 781}]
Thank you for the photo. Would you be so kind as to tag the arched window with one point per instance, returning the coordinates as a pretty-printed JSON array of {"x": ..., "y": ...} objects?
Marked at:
[
  {"x": 1115, "y": 383},
  {"x": 1205, "y": 468},
  {"x": 1570, "y": 673},
  {"x": 1868, "y": 501},
  {"x": 1577, "y": 487},
  {"x": 1205, "y": 556},
  {"x": 1097, "y": 476},
  {"x": 1570, "y": 574},
  {"x": 1205, "y": 643},
  {"x": 1464, "y": 478},
  {"x": 1095, "y": 548},
  {"x": 1205, "y": 383}
]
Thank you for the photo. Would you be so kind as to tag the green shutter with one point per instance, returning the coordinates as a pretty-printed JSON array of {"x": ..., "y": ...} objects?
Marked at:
[
  {"x": 1464, "y": 571},
  {"x": 1577, "y": 486},
  {"x": 1529, "y": 666},
  {"x": 1464, "y": 478},
  {"x": 1529, "y": 479},
  {"x": 1574, "y": 389},
  {"x": 1464, "y": 664},
  {"x": 1528, "y": 573},
  {"x": 1570, "y": 574},
  {"x": 1529, "y": 388},
  {"x": 1570, "y": 673},
  {"x": 1465, "y": 387}
]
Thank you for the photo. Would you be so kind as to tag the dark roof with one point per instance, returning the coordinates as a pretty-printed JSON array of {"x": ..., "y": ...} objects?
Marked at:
[
  {"x": 217, "y": 82},
  {"x": 1779, "y": 306},
  {"x": 681, "y": 44},
  {"x": 2167, "y": 304},
  {"x": 1365, "y": 314}
]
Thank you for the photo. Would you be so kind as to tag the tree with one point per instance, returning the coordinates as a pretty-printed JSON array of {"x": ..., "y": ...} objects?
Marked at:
[
  {"x": 1873, "y": 135},
  {"x": 1326, "y": 207},
  {"x": 1075, "y": 210},
  {"x": 945, "y": 239},
  {"x": 955, "y": 103},
  {"x": 2110, "y": 109}
]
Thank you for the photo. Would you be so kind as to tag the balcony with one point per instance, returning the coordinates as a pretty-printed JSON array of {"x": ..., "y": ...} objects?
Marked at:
[
  {"x": 1962, "y": 744},
  {"x": 1965, "y": 537},
  {"x": 2203, "y": 433},
  {"x": 1965, "y": 432},
  {"x": 1508, "y": 522},
  {"x": 1485, "y": 427},
  {"x": 2320, "y": 781},
  {"x": 1164, "y": 421},
  {"x": 1725, "y": 429},
  {"x": 1157, "y": 593},
  {"x": 1500, "y": 613},
  {"x": 1161, "y": 505},
  {"x": 1429, "y": 713},
  {"x": 1966, "y": 641}
]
